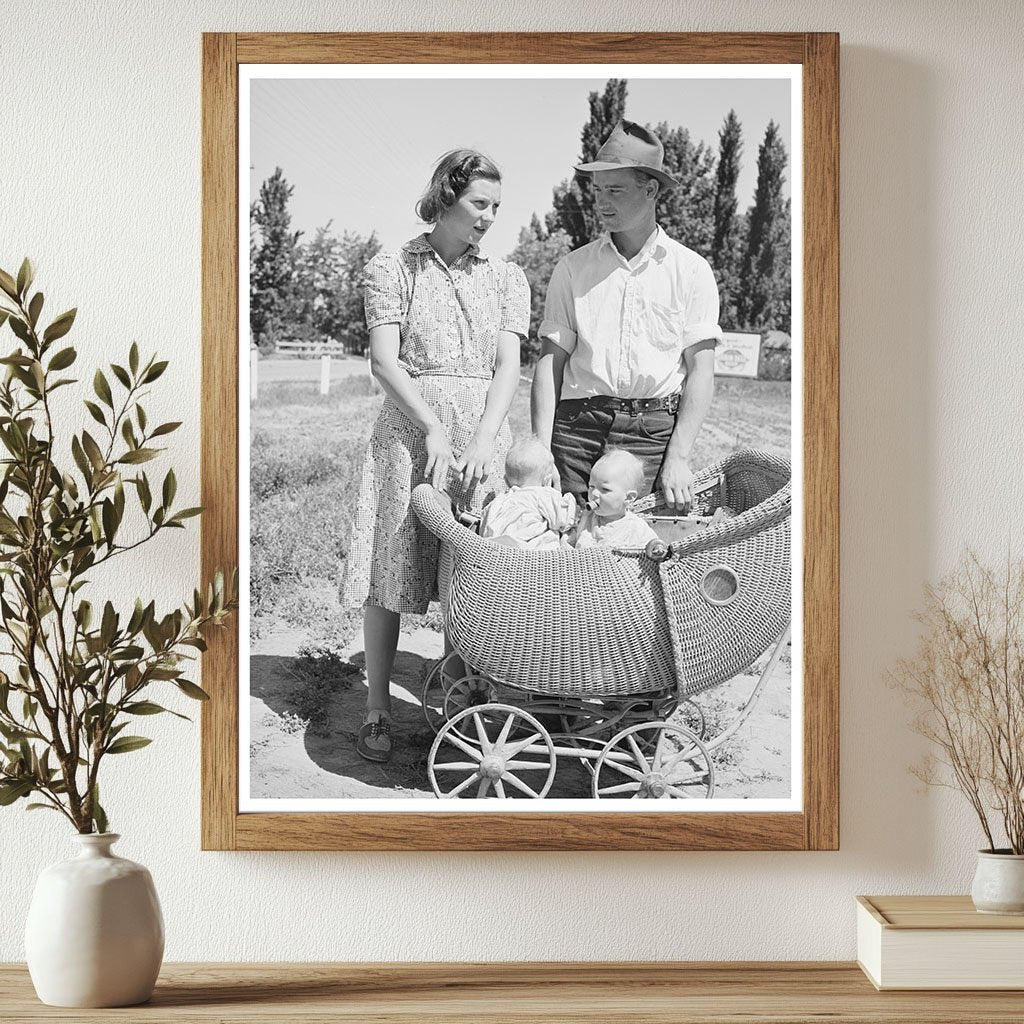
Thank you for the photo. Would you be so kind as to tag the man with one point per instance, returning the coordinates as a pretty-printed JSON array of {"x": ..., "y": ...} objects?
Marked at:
[{"x": 629, "y": 332}]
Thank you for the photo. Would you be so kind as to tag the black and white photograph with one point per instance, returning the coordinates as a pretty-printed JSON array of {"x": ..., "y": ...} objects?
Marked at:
[{"x": 520, "y": 437}]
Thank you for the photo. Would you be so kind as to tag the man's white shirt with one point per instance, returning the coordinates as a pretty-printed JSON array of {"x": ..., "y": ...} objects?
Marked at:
[{"x": 626, "y": 323}]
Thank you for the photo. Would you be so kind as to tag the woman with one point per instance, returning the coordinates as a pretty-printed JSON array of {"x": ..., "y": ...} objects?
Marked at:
[{"x": 445, "y": 322}]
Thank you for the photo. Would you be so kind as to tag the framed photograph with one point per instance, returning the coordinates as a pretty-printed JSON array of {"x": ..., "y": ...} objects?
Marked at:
[{"x": 520, "y": 419}]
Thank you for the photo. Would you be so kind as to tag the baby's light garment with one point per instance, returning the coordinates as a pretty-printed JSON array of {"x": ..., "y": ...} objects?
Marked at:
[
  {"x": 523, "y": 511},
  {"x": 628, "y": 532}
]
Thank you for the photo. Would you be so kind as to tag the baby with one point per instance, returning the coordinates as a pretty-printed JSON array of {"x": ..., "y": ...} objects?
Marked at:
[
  {"x": 532, "y": 514},
  {"x": 615, "y": 481}
]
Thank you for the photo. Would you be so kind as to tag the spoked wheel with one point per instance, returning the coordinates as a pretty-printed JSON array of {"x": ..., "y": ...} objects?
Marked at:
[
  {"x": 655, "y": 761},
  {"x": 492, "y": 751},
  {"x": 443, "y": 677},
  {"x": 472, "y": 691},
  {"x": 439, "y": 680},
  {"x": 693, "y": 718}
]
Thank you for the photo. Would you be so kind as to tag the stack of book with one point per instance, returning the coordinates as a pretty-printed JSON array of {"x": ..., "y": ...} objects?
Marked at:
[{"x": 938, "y": 942}]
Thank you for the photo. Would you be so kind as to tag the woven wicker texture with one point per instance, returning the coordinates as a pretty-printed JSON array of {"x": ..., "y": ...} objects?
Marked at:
[
  {"x": 712, "y": 643},
  {"x": 601, "y": 623}
]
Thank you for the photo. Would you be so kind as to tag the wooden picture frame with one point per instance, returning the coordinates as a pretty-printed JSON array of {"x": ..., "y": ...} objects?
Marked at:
[{"x": 816, "y": 826}]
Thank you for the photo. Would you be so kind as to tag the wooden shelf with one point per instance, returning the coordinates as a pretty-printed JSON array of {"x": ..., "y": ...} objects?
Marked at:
[{"x": 523, "y": 993}]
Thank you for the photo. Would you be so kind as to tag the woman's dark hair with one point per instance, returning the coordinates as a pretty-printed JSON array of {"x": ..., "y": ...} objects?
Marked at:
[{"x": 454, "y": 171}]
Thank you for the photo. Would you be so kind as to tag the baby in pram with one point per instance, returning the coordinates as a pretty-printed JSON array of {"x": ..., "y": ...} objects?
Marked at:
[
  {"x": 532, "y": 513},
  {"x": 609, "y": 521}
]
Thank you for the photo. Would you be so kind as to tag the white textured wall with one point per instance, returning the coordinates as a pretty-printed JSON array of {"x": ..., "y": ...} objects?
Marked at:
[{"x": 99, "y": 181}]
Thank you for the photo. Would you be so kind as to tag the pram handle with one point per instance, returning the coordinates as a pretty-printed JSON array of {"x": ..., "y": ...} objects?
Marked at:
[{"x": 434, "y": 510}]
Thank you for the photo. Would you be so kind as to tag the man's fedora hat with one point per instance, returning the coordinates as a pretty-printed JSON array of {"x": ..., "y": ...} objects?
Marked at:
[{"x": 631, "y": 145}]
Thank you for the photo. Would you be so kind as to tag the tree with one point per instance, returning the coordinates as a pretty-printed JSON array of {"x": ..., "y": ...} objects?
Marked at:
[
  {"x": 574, "y": 199},
  {"x": 537, "y": 253},
  {"x": 725, "y": 246},
  {"x": 686, "y": 212},
  {"x": 764, "y": 276},
  {"x": 272, "y": 273},
  {"x": 343, "y": 318}
]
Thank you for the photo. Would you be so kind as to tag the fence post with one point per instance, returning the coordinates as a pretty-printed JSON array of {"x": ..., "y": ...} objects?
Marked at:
[
  {"x": 325, "y": 374},
  {"x": 254, "y": 361}
]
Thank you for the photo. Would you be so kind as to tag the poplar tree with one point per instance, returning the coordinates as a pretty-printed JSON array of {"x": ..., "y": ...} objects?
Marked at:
[
  {"x": 573, "y": 199},
  {"x": 765, "y": 275},
  {"x": 272, "y": 272},
  {"x": 725, "y": 246}
]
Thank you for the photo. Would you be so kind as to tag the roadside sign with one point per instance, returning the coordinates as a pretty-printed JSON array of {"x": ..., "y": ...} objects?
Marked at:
[{"x": 738, "y": 355}]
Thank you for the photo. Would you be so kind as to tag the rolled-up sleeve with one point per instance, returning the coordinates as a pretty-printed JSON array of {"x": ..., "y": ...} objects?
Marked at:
[
  {"x": 559, "y": 323},
  {"x": 702, "y": 307},
  {"x": 515, "y": 302},
  {"x": 382, "y": 291}
]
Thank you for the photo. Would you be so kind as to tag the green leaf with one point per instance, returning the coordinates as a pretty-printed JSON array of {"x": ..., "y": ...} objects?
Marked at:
[
  {"x": 60, "y": 326},
  {"x": 4, "y": 314},
  {"x": 170, "y": 488},
  {"x": 140, "y": 415},
  {"x": 14, "y": 790},
  {"x": 108, "y": 627},
  {"x": 42, "y": 807},
  {"x": 99, "y": 816},
  {"x": 8, "y": 284},
  {"x": 128, "y": 433},
  {"x": 145, "y": 498},
  {"x": 165, "y": 428},
  {"x": 121, "y": 374},
  {"x": 26, "y": 274},
  {"x": 185, "y": 513},
  {"x": 95, "y": 412},
  {"x": 92, "y": 449},
  {"x": 109, "y": 521},
  {"x": 102, "y": 388},
  {"x": 63, "y": 359},
  {"x": 154, "y": 372},
  {"x": 143, "y": 707},
  {"x": 191, "y": 690},
  {"x": 139, "y": 455},
  {"x": 20, "y": 328},
  {"x": 126, "y": 744},
  {"x": 133, "y": 358},
  {"x": 34, "y": 308},
  {"x": 80, "y": 459}
]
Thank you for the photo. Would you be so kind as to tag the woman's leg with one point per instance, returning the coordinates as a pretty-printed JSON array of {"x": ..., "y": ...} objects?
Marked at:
[{"x": 380, "y": 638}]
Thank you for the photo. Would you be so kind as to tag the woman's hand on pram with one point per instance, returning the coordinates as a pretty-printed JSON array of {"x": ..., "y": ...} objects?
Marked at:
[
  {"x": 475, "y": 463},
  {"x": 440, "y": 457}
]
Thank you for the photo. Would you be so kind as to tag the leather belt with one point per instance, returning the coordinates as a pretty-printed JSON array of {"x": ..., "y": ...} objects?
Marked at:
[{"x": 633, "y": 406}]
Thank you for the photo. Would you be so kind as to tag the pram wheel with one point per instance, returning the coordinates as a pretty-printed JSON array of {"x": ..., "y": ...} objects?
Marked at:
[
  {"x": 494, "y": 750},
  {"x": 443, "y": 675},
  {"x": 471, "y": 691},
  {"x": 654, "y": 761}
]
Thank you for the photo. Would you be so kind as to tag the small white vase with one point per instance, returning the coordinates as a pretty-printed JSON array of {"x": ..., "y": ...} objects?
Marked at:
[
  {"x": 95, "y": 934},
  {"x": 999, "y": 882}
]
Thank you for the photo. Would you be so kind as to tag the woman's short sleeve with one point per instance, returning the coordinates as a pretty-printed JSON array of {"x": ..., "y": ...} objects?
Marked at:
[
  {"x": 382, "y": 291},
  {"x": 515, "y": 301}
]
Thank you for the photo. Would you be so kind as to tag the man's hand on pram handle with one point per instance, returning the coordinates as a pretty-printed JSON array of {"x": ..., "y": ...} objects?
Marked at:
[
  {"x": 676, "y": 481},
  {"x": 706, "y": 497}
]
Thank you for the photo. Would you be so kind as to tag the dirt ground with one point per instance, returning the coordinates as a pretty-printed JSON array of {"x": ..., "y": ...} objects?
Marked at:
[{"x": 295, "y": 759}]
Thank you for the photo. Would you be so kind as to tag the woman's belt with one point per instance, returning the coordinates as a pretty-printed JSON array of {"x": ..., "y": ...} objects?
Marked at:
[
  {"x": 415, "y": 372},
  {"x": 633, "y": 406}
]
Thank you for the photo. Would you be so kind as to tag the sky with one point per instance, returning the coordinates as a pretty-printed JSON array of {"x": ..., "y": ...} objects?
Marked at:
[{"x": 359, "y": 151}]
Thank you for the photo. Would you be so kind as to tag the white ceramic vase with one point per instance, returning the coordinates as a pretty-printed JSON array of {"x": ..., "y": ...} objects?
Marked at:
[
  {"x": 95, "y": 934},
  {"x": 999, "y": 882}
]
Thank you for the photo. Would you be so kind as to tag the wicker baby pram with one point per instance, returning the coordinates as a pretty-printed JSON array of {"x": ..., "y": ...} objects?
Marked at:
[{"x": 605, "y": 639}]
